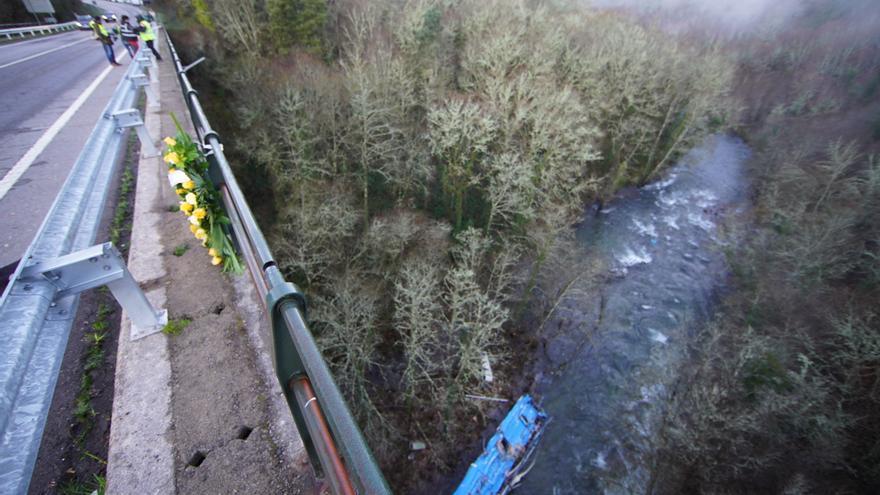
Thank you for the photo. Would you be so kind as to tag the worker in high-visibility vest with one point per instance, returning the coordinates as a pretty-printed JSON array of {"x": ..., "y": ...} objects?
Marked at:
[
  {"x": 147, "y": 35},
  {"x": 104, "y": 37}
]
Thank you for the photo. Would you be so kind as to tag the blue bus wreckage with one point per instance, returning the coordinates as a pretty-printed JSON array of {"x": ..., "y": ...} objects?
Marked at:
[{"x": 501, "y": 465}]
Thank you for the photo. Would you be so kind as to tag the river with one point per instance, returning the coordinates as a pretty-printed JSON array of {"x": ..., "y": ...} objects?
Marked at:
[{"x": 608, "y": 370}]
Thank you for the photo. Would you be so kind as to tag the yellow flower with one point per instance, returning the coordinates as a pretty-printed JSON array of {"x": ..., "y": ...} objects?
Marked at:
[
  {"x": 216, "y": 260},
  {"x": 180, "y": 192},
  {"x": 189, "y": 185},
  {"x": 213, "y": 252},
  {"x": 172, "y": 157},
  {"x": 199, "y": 213},
  {"x": 170, "y": 141},
  {"x": 185, "y": 207},
  {"x": 201, "y": 234},
  {"x": 191, "y": 199},
  {"x": 193, "y": 220},
  {"x": 193, "y": 228}
]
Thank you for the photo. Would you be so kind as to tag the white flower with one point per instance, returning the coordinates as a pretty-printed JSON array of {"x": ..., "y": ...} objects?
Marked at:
[{"x": 177, "y": 177}]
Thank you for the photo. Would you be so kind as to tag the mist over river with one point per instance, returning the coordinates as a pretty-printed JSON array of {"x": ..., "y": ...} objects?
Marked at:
[{"x": 609, "y": 367}]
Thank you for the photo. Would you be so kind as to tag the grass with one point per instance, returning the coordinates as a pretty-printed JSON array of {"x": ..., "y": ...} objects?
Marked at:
[
  {"x": 83, "y": 411},
  {"x": 93, "y": 457},
  {"x": 175, "y": 327},
  {"x": 120, "y": 223},
  {"x": 181, "y": 249},
  {"x": 99, "y": 486}
]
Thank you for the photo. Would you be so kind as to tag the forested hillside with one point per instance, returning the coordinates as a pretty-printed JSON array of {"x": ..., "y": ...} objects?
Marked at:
[
  {"x": 782, "y": 393},
  {"x": 425, "y": 161},
  {"x": 419, "y": 166}
]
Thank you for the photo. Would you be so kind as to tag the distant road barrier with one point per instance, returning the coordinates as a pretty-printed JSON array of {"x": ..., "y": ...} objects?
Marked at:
[
  {"x": 38, "y": 307},
  {"x": 334, "y": 442},
  {"x": 41, "y": 29}
]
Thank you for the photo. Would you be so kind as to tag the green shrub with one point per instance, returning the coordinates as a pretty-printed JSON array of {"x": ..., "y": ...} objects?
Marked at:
[{"x": 203, "y": 15}]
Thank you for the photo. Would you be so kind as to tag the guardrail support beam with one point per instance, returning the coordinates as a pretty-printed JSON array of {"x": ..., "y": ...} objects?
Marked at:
[
  {"x": 140, "y": 81},
  {"x": 93, "y": 267},
  {"x": 132, "y": 118},
  {"x": 146, "y": 60},
  {"x": 190, "y": 66}
]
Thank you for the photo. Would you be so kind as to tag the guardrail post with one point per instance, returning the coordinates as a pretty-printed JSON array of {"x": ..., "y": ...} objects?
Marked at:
[
  {"x": 93, "y": 267},
  {"x": 144, "y": 58},
  {"x": 140, "y": 81},
  {"x": 132, "y": 118}
]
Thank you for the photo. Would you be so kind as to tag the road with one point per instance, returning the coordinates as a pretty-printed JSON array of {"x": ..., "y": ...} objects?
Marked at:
[{"x": 52, "y": 92}]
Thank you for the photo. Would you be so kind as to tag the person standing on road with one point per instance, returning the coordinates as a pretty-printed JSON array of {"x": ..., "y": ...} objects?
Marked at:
[
  {"x": 104, "y": 37},
  {"x": 147, "y": 35},
  {"x": 129, "y": 36}
]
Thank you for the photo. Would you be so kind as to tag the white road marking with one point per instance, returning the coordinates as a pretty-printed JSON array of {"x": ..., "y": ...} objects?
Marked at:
[
  {"x": 25, "y": 162},
  {"x": 42, "y": 53}
]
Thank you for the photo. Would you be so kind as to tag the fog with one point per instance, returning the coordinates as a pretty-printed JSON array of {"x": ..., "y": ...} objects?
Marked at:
[{"x": 729, "y": 16}]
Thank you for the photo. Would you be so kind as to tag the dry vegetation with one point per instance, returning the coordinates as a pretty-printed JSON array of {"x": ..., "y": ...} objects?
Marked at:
[
  {"x": 782, "y": 395},
  {"x": 422, "y": 163}
]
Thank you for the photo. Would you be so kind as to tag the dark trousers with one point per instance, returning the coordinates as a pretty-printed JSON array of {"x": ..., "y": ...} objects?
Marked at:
[{"x": 153, "y": 48}]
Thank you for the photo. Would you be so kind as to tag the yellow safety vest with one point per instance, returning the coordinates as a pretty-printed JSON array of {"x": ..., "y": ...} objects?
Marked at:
[
  {"x": 103, "y": 31},
  {"x": 147, "y": 34}
]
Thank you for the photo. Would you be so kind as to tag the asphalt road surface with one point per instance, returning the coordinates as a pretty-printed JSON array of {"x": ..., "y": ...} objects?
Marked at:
[{"x": 52, "y": 92}]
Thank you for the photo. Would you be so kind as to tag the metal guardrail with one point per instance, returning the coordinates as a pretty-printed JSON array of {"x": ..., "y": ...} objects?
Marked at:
[
  {"x": 335, "y": 445},
  {"x": 41, "y": 29},
  {"x": 38, "y": 307}
]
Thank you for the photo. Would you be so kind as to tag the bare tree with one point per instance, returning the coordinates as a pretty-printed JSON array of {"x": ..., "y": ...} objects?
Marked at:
[
  {"x": 417, "y": 319},
  {"x": 238, "y": 21},
  {"x": 460, "y": 135},
  {"x": 475, "y": 314},
  {"x": 308, "y": 239}
]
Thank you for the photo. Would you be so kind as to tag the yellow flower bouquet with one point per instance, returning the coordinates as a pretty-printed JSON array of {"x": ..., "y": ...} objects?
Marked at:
[{"x": 199, "y": 199}]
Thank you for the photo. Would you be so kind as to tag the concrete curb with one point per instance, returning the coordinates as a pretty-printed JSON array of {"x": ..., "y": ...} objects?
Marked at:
[
  {"x": 160, "y": 416},
  {"x": 140, "y": 459},
  {"x": 281, "y": 425}
]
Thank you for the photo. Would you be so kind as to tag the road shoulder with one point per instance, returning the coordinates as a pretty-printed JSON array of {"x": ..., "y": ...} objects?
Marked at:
[{"x": 210, "y": 416}]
